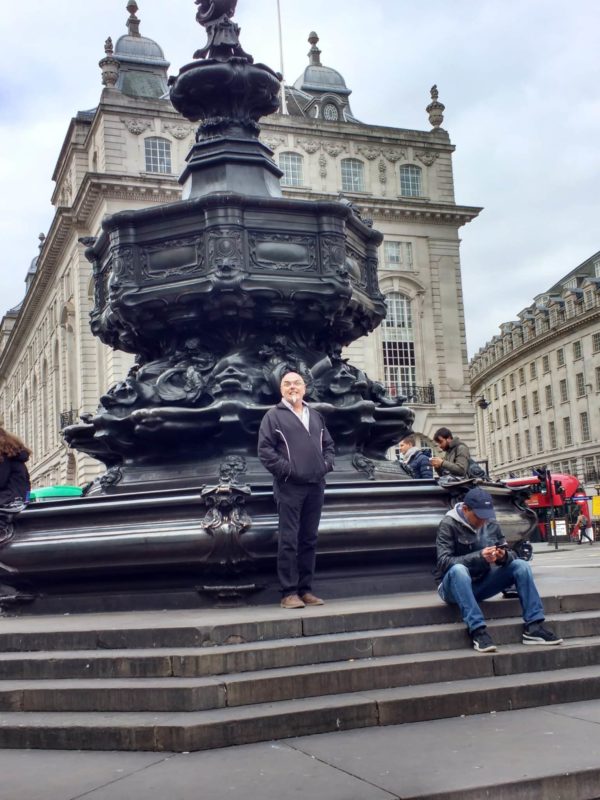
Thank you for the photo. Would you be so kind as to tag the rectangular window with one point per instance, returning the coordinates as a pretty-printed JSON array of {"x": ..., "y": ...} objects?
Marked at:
[
  {"x": 545, "y": 364},
  {"x": 508, "y": 449},
  {"x": 560, "y": 357},
  {"x": 524, "y": 409},
  {"x": 521, "y": 376},
  {"x": 567, "y": 431},
  {"x": 564, "y": 390},
  {"x": 491, "y": 421},
  {"x": 552, "y": 435},
  {"x": 397, "y": 255},
  {"x": 505, "y": 412},
  {"x": 548, "y": 392},
  {"x": 511, "y": 380},
  {"x": 535, "y": 402},
  {"x": 291, "y": 166},
  {"x": 584, "y": 424},
  {"x": 596, "y": 342},
  {"x": 539, "y": 439},
  {"x": 501, "y": 451},
  {"x": 399, "y": 367},
  {"x": 158, "y": 155},
  {"x": 518, "y": 445},
  {"x": 503, "y": 384},
  {"x": 532, "y": 370},
  {"x": 353, "y": 175},
  {"x": 577, "y": 349},
  {"x": 598, "y": 379},
  {"x": 580, "y": 384},
  {"x": 527, "y": 442},
  {"x": 495, "y": 391},
  {"x": 515, "y": 415}
]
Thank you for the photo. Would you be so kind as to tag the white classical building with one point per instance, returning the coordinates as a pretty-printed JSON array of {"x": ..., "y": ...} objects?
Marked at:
[
  {"x": 538, "y": 383},
  {"x": 127, "y": 153}
]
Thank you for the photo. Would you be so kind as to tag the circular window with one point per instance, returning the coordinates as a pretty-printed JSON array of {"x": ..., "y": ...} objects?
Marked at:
[{"x": 331, "y": 112}]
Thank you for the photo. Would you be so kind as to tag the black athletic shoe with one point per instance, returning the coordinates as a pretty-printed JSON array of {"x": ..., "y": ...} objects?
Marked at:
[
  {"x": 537, "y": 634},
  {"x": 482, "y": 641}
]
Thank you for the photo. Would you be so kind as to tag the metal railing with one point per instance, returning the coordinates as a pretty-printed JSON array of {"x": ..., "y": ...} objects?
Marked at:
[{"x": 424, "y": 395}]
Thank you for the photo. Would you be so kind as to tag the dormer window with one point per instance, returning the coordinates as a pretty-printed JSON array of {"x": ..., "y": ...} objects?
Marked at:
[{"x": 331, "y": 113}]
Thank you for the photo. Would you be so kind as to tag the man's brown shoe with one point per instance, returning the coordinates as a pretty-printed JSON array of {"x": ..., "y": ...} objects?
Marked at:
[
  {"x": 310, "y": 599},
  {"x": 291, "y": 601}
]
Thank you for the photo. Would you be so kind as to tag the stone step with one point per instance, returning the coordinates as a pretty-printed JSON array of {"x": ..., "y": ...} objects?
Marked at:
[
  {"x": 258, "y": 624},
  {"x": 201, "y": 730},
  {"x": 278, "y": 653},
  {"x": 277, "y": 685}
]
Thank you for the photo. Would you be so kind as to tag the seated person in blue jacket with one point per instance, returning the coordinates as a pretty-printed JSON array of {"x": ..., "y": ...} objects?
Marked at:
[
  {"x": 414, "y": 458},
  {"x": 474, "y": 563}
]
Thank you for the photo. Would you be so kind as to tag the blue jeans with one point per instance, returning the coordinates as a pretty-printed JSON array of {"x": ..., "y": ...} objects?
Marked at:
[{"x": 457, "y": 587}]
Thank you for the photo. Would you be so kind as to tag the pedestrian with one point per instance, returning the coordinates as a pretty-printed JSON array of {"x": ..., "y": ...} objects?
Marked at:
[
  {"x": 455, "y": 460},
  {"x": 475, "y": 563},
  {"x": 294, "y": 445},
  {"x": 14, "y": 477},
  {"x": 581, "y": 529},
  {"x": 414, "y": 458}
]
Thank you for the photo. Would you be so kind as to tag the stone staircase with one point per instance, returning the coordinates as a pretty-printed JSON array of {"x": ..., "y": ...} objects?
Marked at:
[{"x": 164, "y": 683}]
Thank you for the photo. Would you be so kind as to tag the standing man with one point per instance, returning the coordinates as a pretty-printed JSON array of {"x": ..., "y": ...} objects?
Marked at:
[
  {"x": 415, "y": 458},
  {"x": 456, "y": 455},
  {"x": 296, "y": 448},
  {"x": 474, "y": 563}
]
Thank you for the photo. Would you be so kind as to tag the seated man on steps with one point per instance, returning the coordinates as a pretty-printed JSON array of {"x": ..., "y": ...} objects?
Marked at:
[{"x": 474, "y": 563}]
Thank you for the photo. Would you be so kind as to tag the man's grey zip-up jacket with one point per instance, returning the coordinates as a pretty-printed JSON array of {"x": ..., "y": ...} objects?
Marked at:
[
  {"x": 458, "y": 543},
  {"x": 290, "y": 452}
]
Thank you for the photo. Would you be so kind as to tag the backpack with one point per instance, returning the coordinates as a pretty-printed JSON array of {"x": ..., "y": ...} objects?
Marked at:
[{"x": 474, "y": 470}]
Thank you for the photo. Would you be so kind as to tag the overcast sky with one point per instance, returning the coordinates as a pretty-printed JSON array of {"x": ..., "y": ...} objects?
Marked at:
[{"x": 520, "y": 80}]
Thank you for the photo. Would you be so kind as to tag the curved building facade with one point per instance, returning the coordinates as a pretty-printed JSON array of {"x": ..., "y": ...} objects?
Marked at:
[{"x": 537, "y": 384}]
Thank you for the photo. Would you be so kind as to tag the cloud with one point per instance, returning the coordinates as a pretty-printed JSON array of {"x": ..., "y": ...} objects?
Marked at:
[{"x": 518, "y": 78}]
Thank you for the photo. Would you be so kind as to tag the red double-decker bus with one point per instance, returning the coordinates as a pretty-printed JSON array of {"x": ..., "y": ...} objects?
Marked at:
[{"x": 554, "y": 496}]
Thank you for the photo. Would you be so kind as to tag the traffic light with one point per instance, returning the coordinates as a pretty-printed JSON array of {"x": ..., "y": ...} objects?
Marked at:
[{"x": 542, "y": 476}]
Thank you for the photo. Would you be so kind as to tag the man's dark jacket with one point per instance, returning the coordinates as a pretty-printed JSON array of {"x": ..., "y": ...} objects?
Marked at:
[
  {"x": 290, "y": 452},
  {"x": 14, "y": 478},
  {"x": 458, "y": 543},
  {"x": 419, "y": 465},
  {"x": 456, "y": 459}
]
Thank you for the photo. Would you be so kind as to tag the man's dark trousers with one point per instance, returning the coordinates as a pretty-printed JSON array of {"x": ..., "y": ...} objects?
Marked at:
[{"x": 299, "y": 506}]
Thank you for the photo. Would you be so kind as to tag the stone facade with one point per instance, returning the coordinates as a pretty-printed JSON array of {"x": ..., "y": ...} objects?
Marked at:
[
  {"x": 541, "y": 378},
  {"x": 128, "y": 153}
]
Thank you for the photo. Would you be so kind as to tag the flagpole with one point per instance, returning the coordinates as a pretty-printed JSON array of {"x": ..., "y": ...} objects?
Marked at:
[{"x": 282, "y": 70}]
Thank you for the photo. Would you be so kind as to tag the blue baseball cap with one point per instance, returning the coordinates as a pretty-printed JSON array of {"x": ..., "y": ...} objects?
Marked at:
[{"x": 480, "y": 503}]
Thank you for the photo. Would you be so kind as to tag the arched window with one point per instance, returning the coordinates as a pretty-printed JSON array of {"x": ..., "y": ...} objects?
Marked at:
[
  {"x": 399, "y": 368},
  {"x": 353, "y": 175},
  {"x": 291, "y": 166},
  {"x": 410, "y": 181},
  {"x": 158, "y": 155}
]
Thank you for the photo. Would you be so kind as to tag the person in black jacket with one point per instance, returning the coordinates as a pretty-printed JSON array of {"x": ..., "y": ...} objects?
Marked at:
[
  {"x": 475, "y": 563},
  {"x": 294, "y": 445},
  {"x": 14, "y": 477},
  {"x": 415, "y": 458}
]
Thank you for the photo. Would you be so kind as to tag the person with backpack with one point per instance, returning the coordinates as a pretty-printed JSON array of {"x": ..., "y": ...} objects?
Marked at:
[
  {"x": 14, "y": 477},
  {"x": 414, "y": 458},
  {"x": 456, "y": 459}
]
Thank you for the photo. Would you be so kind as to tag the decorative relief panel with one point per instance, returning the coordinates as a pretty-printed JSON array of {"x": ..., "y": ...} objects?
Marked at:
[
  {"x": 427, "y": 157},
  {"x": 283, "y": 251},
  {"x": 272, "y": 141},
  {"x": 136, "y": 126},
  {"x": 177, "y": 130},
  {"x": 356, "y": 264},
  {"x": 322, "y": 165},
  {"x": 309, "y": 145},
  {"x": 333, "y": 255},
  {"x": 334, "y": 148},
  {"x": 225, "y": 249},
  {"x": 393, "y": 155},
  {"x": 173, "y": 258},
  {"x": 370, "y": 153}
]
